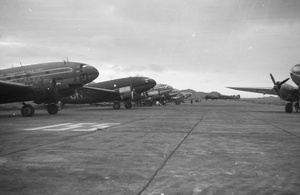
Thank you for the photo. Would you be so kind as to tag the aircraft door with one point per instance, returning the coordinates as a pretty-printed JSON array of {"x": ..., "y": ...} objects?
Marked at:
[{"x": 46, "y": 92}]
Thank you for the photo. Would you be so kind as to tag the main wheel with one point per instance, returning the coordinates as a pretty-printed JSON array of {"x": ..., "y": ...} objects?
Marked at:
[
  {"x": 289, "y": 108},
  {"x": 52, "y": 109},
  {"x": 27, "y": 110},
  {"x": 297, "y": 106},
  {"x": 149, "y": 103},
  {"x": 128, "y": 105},
  {"x": 116, "y": 106}
]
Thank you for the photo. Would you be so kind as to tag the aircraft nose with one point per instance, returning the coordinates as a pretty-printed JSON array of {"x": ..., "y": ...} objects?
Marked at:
[
  {"x": 92, "y": 72},
  {"x": 295, "y": 74},
  {"x": 296, "y": 69},
  {"x": 152, "y": 82}
]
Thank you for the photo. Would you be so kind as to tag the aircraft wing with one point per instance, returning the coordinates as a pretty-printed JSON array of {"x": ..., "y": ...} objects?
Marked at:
[
  {"x": 13, "y": 89},
  {"x": 265, "y": 90},
  {"x": 97, "y": 92},
  {"x": 88, "y": 94}
]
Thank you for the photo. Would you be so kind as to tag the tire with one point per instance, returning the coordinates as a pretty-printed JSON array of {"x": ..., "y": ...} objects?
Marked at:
[
  {"x": 27, "y": 110},
  {"x": 52, "y": 109},
  {"x": 289, "y": 108},
  {"x": 148, "y": 103},
  {"x": 116, "y": 106},
  {"x": 128, "y": 105}
]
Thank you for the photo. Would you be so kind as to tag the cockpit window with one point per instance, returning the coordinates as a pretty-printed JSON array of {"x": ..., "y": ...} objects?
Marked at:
[{"x": 83, "y": 65}]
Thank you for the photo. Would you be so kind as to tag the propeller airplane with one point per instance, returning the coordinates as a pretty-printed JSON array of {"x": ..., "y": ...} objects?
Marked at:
[{"x": 285, "y": 91}]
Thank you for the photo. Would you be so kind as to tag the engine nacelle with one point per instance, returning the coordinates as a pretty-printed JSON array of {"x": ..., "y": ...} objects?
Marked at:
[
  {"x": 126, "y": 93},
  {"x": 152, "y": 93}
]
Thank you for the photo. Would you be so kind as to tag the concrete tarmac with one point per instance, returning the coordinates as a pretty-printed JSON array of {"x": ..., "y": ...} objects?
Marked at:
[{"x": 212, "y": 147}]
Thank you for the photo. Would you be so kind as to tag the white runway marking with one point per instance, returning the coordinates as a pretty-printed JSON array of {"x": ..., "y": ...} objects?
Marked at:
[
  {"x": 73, "y": 127},
  {"x": 46, "y": 127}
]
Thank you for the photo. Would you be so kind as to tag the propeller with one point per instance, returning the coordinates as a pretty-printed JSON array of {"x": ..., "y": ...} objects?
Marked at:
[
  {"x": 278, "y": 84},
  {"x": 55, "y": 90}
]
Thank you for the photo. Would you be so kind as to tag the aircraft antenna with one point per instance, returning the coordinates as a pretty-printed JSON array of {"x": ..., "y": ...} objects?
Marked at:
[{"x": 65, "y": 59}]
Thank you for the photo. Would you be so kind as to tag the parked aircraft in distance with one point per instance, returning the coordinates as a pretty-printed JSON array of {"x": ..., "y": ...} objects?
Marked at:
[
  {"x": 212, "y": 97},
  {"x": 285, "y": 91},
  {"x": 222, "y": 97},
  {"x": 44, "y": 83},
  {"x": 178, "y": 96},
  {"x": 184, "y": 95},
  {"x": 174, "y": 93},
  {"x": 123, "y": 89},
  {"x": 159, "y": 92}
]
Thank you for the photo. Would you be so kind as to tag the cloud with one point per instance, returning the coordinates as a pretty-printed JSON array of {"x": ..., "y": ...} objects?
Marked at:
[
  {"x": 135, "y": 68},
  {"x": 144, "y": 68},
  {"x": 102, "y": 40},
  {"x": 8, "y": 43},
  {"x": 202, "y": 40}
]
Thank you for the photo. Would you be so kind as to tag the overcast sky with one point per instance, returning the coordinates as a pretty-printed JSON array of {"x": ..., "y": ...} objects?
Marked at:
[{"x": 203, "y": 45}]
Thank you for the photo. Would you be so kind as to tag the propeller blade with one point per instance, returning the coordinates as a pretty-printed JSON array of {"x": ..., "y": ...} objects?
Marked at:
[
  {"x": 284, "y": 81},
  {"x": 273, "y": 79}
]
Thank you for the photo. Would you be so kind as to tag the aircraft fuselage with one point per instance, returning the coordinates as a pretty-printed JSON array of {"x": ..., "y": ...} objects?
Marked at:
[
  {"x": 286, "y": 93},
  {"x": 159, "y": 91},
  {"x": 45, "y": 80},
  {"x": 123, "y": 89},
  {"x": 295, "y": 74}
]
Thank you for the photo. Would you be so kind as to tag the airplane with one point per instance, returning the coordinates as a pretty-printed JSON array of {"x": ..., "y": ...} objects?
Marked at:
[
  {"x": 178, "y": 96},
  {"x": 157, "y": 93},
  {"x": 229, "y": 97},
  {"x": 285, "y": 91},
  {"x": 174, "y": 93},
  {"x": 212, "y": 97},
  {"x": 184, "y": 95},
  {"x": 222, "y": 97},
  {"x": 44, "y": 83},
  {"x": 123, "y": 89}
]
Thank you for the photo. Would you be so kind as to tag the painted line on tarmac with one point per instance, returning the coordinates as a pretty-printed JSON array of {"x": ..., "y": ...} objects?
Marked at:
[
  {"x": 46, "y": 127},
  {"x": 74, "y": 127}
]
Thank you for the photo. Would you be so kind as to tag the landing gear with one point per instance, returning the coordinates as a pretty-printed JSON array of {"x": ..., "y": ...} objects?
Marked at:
[
  {"x": 297, "y": 106},
  {"x": 27, "y": 110},
  {"x": 149, "y": 103},
  {"x": 116, "y": 105},
  {"x": 128, "y": 105},
  {"x": 52, "y": 109},
  {"x": 289, "y": 107}
]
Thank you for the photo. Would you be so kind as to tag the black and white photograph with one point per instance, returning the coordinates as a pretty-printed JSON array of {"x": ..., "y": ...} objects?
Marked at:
[{"x": 149, "y": 97}]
